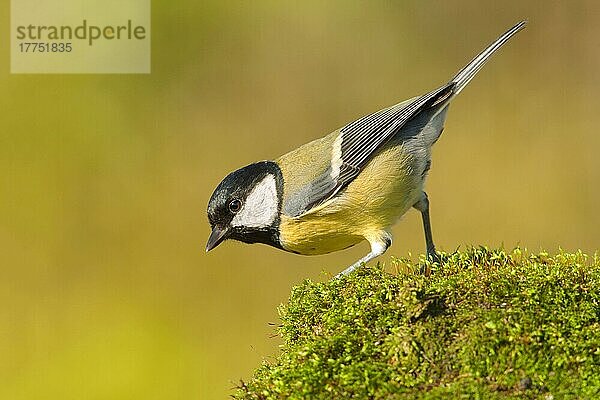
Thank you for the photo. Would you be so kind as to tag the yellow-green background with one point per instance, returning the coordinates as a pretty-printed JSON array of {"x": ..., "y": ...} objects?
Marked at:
[{"x": 106, "y": 292}]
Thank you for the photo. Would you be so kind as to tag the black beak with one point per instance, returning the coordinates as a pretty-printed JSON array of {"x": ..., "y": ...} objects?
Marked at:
[{"x": 216, "y": 237}]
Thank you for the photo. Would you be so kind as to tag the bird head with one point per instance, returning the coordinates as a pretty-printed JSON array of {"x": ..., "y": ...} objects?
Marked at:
[{"x": 246, "y": 205}]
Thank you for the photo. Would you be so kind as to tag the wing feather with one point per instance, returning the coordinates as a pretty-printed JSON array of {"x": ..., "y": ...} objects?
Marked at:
[
  {"x": 358, "y": 141},
  {"x": 362, "y": 138}
]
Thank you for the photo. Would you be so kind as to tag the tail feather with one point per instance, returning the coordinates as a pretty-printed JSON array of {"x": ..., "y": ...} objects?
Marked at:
[{"x": 465, "y": 75}]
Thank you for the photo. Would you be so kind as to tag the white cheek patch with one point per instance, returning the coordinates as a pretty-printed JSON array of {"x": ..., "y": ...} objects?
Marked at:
[{"x": 260, "y": 208}]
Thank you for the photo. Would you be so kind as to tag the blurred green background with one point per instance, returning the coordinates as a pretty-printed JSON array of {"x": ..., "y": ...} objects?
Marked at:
[{"x": 106, "y": 290}]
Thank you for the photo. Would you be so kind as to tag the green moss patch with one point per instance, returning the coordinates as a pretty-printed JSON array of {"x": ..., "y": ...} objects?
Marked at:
[{"x": 483, "y": 324}]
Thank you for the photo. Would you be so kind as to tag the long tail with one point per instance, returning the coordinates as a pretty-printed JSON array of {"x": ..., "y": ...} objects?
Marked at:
[{"x": 465, "y": 75}]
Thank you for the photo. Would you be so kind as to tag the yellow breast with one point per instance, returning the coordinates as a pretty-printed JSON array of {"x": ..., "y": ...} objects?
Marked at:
[{"x": 385, "y": 189}]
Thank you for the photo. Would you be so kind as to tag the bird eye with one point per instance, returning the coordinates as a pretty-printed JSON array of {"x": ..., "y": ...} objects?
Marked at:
[{"x": 235, "y": 205}]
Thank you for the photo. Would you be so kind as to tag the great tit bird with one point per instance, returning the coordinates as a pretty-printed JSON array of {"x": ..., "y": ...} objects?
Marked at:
[{"x": 348, "y": 186}]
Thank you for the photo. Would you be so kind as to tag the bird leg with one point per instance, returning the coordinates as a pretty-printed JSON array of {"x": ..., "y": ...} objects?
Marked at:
[
  {"x": 378, "y": 244},
  {"x": 423, "y": 206}
]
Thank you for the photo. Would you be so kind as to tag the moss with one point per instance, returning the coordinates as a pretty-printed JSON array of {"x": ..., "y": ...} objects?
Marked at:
[{"x": 483, "y": 324}]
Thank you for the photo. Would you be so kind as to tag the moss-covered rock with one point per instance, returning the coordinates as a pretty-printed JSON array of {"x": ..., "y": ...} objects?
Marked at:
[{"x": 483, "y": 324}]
